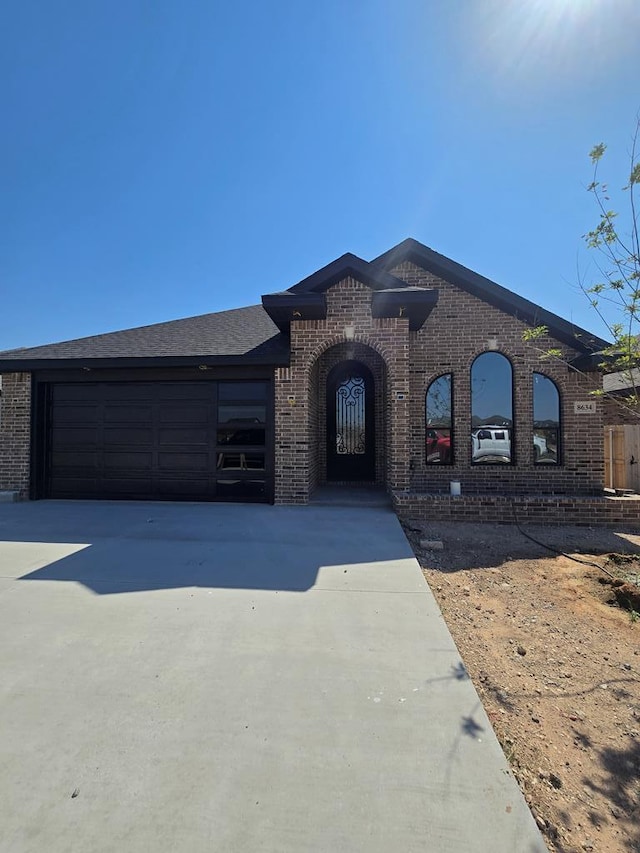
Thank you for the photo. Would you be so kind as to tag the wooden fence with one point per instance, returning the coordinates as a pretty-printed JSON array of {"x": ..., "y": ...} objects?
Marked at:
[{"x": 622, "y": 457}]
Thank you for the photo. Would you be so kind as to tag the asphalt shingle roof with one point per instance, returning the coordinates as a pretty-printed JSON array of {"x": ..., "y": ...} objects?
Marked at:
[{"x": 241, "y": 332}]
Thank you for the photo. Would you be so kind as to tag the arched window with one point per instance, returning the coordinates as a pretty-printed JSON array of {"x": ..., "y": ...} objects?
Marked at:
[
  {"x": 491, "y": 409},
  {"x": 438, "y": 435},
  {"x": 546, "y": 421}
]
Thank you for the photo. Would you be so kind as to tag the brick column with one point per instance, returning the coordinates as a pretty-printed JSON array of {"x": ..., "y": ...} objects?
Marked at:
[
  {"x": 15, "y": 433},
  {"x": 291, "y": 436},
  {"x": 399, "y": 411}
]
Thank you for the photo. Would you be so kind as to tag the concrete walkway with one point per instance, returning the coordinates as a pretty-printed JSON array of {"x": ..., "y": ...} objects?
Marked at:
[{"x": 236, "y": 678}]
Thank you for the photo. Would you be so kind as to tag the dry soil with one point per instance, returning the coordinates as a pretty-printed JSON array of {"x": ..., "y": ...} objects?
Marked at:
[{"x": 556, "y": 665}]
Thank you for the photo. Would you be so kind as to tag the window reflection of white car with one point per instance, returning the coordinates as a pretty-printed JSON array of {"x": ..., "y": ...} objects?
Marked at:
[
  {"x": 494, "y": 443},
  {"x": 539, "y": 447},
  {"x": 491, "y": 443}
]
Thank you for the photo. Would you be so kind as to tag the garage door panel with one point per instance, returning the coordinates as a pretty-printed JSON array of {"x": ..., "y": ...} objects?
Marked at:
[
  {"x": 242, "y": 414},
  {"x": 241, "y": 437},
  {"x": 128, "y": 414},
  {"x": 183, "y": 435},
  {"x": 77, "y": 414},
  {"x": 193, "y": 488},
  {"x": 76, "y": 459},
  {"x": 184, "y": 414},
  {"x": 240, "y": 461},
  {"x": 124, "y": 461},
  {"x": 72, "y": 486},
  {"x": 242, "y": 489},
  {"x": 74, "y": 391},
  {"x": 127, "y": 392},
  {"x": 146, "y": 440},
  {"x": 129, "y": 435},
  {"x": 72, "y": 438},
  {"x": 127, "y": 486},
  {"x": 184, "y": 461},
  {"x": 187, "y": 391}
]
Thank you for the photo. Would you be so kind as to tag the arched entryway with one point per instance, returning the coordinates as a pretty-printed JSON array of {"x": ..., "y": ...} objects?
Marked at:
[
  {"x": 350, "y": 433},
  {"x": 337, "y": 371}
]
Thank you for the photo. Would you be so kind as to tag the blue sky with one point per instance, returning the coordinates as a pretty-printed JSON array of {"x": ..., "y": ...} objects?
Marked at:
[{"x": 165, "y": 159}]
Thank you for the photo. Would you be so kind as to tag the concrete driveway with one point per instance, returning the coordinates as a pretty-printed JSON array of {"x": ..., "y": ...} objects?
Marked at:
[{"x": 189, "y": 677}]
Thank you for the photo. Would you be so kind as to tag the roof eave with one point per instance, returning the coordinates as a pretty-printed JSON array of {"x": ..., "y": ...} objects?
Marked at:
[
  {"x": 595, "y": 362},
  {"x": 34, "y": 364},
  {"x": 284, "y": 308},
  {"x": 415, "y": 305}
]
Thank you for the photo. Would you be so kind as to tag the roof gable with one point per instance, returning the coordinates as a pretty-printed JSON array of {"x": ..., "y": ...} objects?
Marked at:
[
  {"x": 487, "y": 290},
  {"x": 346, "y": 266},
  {"x": 306, "y": 300}
]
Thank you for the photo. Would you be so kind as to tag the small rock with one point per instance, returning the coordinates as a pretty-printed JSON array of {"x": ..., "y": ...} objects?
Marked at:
[
  {"x": 432, "y": 544},
  {"x": 626, "y": 666},
  {"x": 535, "y": 719},
  {"x": 556, "y": 781},
  {"x": 521, "y": 651},
  {"x": 542, "y": 824},
  {"x": 75, "y": 793}
]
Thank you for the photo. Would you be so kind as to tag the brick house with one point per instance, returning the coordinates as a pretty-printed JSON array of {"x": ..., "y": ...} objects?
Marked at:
[{"x": 408, "y": 371}]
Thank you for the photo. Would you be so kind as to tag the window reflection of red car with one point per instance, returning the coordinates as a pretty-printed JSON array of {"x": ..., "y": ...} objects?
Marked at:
[{"x": 438, "y": 446}]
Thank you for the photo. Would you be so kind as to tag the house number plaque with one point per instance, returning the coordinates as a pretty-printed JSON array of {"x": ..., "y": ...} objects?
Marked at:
[{"x": 588, "y": 407}]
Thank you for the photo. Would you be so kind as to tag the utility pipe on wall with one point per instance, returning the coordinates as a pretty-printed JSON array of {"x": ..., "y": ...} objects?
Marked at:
[{"x": 611, "y": 459}]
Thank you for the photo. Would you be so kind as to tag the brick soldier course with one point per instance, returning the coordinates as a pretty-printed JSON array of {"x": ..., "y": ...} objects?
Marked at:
[{"x": 409, "y": 316}]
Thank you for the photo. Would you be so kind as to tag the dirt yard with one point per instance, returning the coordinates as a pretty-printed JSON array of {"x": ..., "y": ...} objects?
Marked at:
[{"x": 556, "y": 665}]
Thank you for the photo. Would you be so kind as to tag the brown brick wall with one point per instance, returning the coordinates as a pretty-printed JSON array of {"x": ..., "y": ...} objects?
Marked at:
[
  {"x": 455, "y": 333},
  {"x": 15, "y": 433},
  {"x": 385, "y": 345},
  {"x": 524, "y": 509},
  {"x": 616, "y": 413},
  {"x": 404, "y": 363}
]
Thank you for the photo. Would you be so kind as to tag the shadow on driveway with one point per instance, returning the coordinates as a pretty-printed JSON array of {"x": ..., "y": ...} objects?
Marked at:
[{"x": 114, "y": 547}]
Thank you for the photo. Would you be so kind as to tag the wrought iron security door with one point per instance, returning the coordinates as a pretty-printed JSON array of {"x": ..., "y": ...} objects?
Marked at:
[{"x": 350, "y": 423}]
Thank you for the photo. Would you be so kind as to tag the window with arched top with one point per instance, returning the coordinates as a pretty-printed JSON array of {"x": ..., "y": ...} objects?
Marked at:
[
  {"x": 491, "y": 410},
  {"x": 546, "y": 421},
  {"x": 438, "y": 434}
]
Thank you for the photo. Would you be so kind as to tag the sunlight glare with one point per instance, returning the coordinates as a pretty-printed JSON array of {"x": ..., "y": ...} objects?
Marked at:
[{"x": 547, "y": 37}]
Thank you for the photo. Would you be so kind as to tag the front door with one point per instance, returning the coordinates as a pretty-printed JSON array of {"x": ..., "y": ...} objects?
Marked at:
[{"x": 350, "y": 423}]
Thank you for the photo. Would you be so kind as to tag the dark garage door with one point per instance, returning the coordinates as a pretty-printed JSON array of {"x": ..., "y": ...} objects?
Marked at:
[{"x": 159, "y": 440}]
